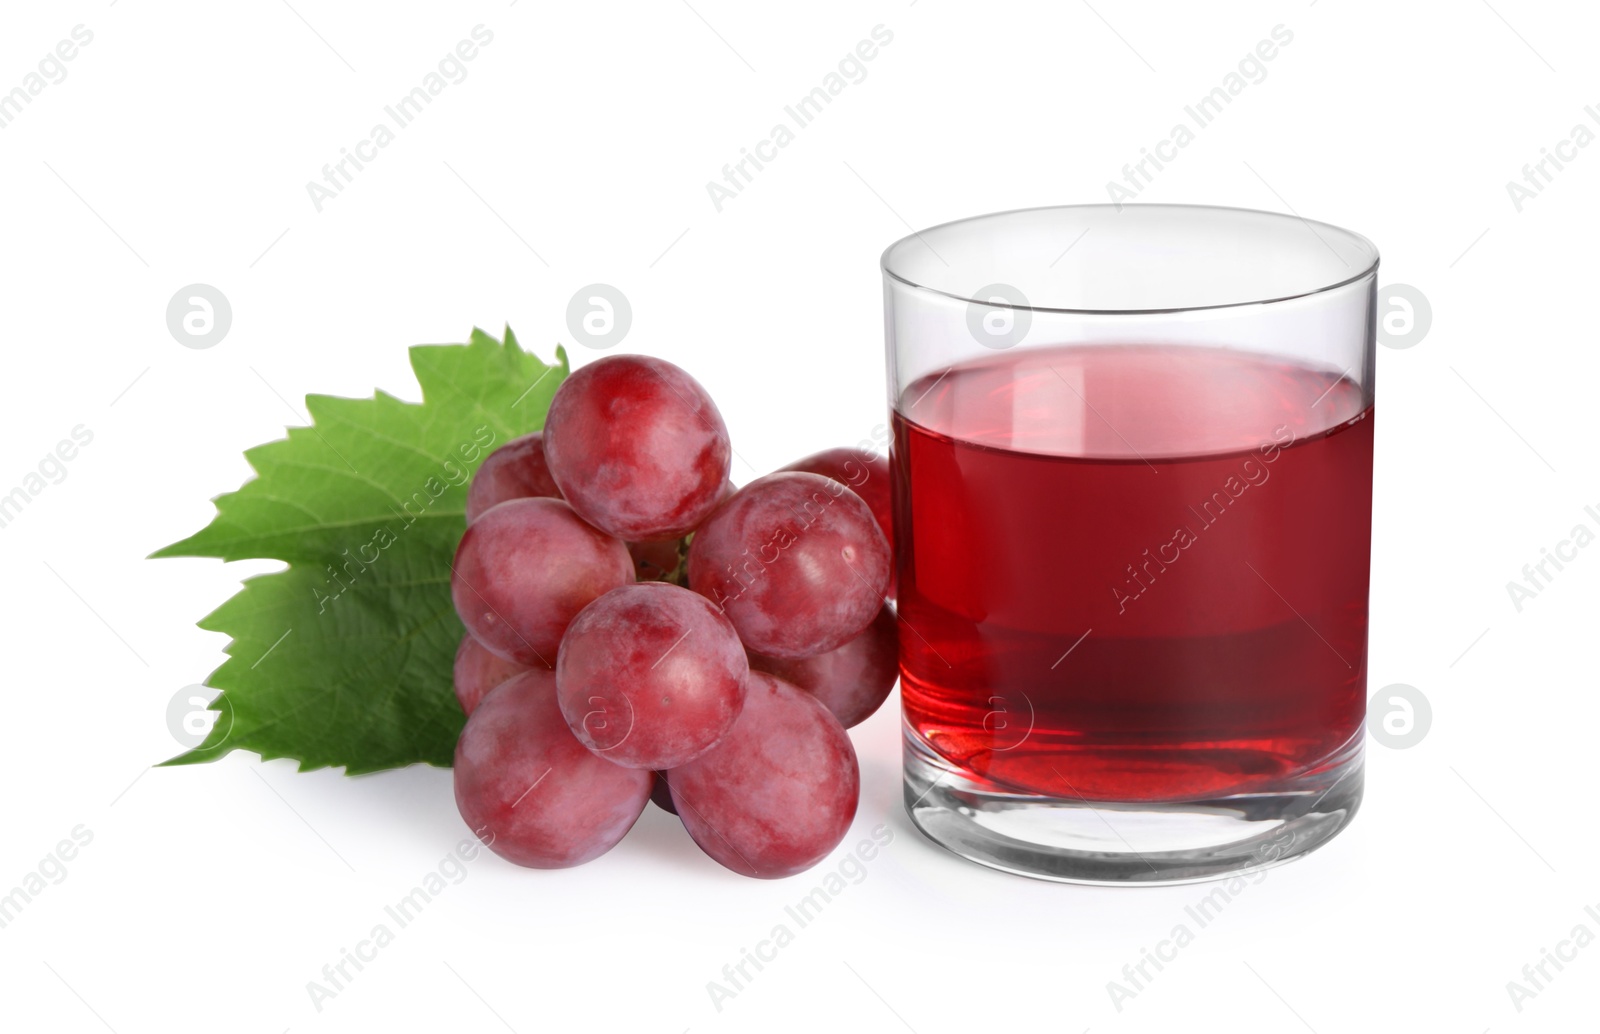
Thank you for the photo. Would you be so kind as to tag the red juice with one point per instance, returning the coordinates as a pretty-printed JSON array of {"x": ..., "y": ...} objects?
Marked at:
[{"x": 1134, "y": 573}]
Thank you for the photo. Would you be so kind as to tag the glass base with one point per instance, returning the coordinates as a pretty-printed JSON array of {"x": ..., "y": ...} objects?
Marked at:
[{"x": 1111, "y": 844}]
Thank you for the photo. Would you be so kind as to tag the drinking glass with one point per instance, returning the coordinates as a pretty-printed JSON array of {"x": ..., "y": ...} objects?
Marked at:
[{"x": 1132, "y": 465}]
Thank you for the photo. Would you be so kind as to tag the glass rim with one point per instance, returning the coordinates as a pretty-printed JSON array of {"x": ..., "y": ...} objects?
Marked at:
[{"x": 1360, "y": 241}]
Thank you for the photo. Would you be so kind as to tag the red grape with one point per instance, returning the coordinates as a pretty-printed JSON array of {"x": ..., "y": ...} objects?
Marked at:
[
  {"x": 523, "y": 571},
  {"x": 650, "y": 675},
  {"x": 531, "y": 791},
  {"x": 852, "y": 681},
  {"x": 778, "y": 792},
  {"x": 864, "y": 473},
  {"x": 796, "y": 561},
  {"x": 477, "y": 671},
  {"x": 661, "y": 794},
  {"x": 516, "y": 470},
  {"x": 637, "y": 447}
]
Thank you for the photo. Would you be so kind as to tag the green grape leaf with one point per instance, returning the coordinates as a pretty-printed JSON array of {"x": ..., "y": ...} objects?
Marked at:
[{"x": 344, "y": 658}]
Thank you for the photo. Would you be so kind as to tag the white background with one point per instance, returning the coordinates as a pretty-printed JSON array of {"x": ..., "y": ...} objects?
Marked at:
[{"x": 177, "y": 151}]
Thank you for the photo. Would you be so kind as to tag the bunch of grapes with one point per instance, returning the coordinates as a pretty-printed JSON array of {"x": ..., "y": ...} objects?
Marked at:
[{"x": 640, "y": 630}]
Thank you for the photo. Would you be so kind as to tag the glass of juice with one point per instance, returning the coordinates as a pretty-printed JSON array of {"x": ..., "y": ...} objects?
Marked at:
[{"x": 1132, "y": 465}]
